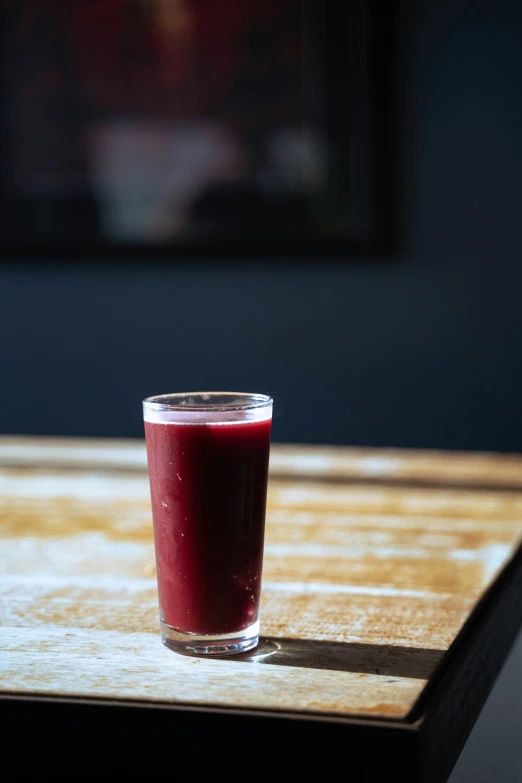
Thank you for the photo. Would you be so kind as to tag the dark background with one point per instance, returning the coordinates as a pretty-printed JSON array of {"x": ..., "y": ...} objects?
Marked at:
[{"x": 420, "y": 348}]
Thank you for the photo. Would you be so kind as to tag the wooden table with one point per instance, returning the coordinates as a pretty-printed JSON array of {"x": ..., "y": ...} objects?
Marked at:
[{"x": 392, "y": 591}]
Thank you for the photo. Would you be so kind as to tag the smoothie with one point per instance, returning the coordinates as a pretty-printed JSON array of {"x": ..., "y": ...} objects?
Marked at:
[{"x": 208, "y": 487}]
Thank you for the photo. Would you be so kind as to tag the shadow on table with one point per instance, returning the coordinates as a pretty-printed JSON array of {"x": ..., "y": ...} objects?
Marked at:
[{"x": 416, "y": 663}]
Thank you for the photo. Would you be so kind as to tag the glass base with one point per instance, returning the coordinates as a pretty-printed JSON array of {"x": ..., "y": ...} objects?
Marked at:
[{"x": 200, "y": 644}]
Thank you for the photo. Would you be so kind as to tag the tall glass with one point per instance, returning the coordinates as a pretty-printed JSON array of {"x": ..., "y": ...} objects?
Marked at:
[{"x": 208, "y": 468}]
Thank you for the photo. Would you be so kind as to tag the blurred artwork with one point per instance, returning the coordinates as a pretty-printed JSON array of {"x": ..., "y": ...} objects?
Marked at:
[{"x": 162, "y": 121}]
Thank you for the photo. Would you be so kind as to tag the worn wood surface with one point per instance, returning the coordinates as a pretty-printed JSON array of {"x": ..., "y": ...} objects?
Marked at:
[{"x": 374, "y": 561}]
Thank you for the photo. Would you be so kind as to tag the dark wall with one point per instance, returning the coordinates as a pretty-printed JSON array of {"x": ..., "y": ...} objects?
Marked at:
[{"x": 419, "y": 349}]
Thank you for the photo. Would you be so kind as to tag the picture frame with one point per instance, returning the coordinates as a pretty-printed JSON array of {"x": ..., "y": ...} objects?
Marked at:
[{"x": 273, "y": 140}]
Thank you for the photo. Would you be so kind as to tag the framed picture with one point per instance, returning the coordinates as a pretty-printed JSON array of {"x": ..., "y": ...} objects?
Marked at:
[{"x": 207, "y": 125}]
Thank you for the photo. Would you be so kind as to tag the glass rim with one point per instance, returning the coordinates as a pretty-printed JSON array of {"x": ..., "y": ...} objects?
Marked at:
[{"x": 158, "y": 402}]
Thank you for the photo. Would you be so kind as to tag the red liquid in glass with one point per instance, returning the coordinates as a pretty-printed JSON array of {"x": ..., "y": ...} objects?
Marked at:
[{"x": 208, "y": 487}]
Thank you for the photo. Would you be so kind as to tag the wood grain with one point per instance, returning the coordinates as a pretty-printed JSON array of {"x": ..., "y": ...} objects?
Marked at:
[
  {"x": 374, "y": 561},
  {"x": 306, "y": 461}
]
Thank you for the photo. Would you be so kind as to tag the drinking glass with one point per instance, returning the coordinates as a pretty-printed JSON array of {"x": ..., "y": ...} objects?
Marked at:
[{"x": 208, "y": 456}]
